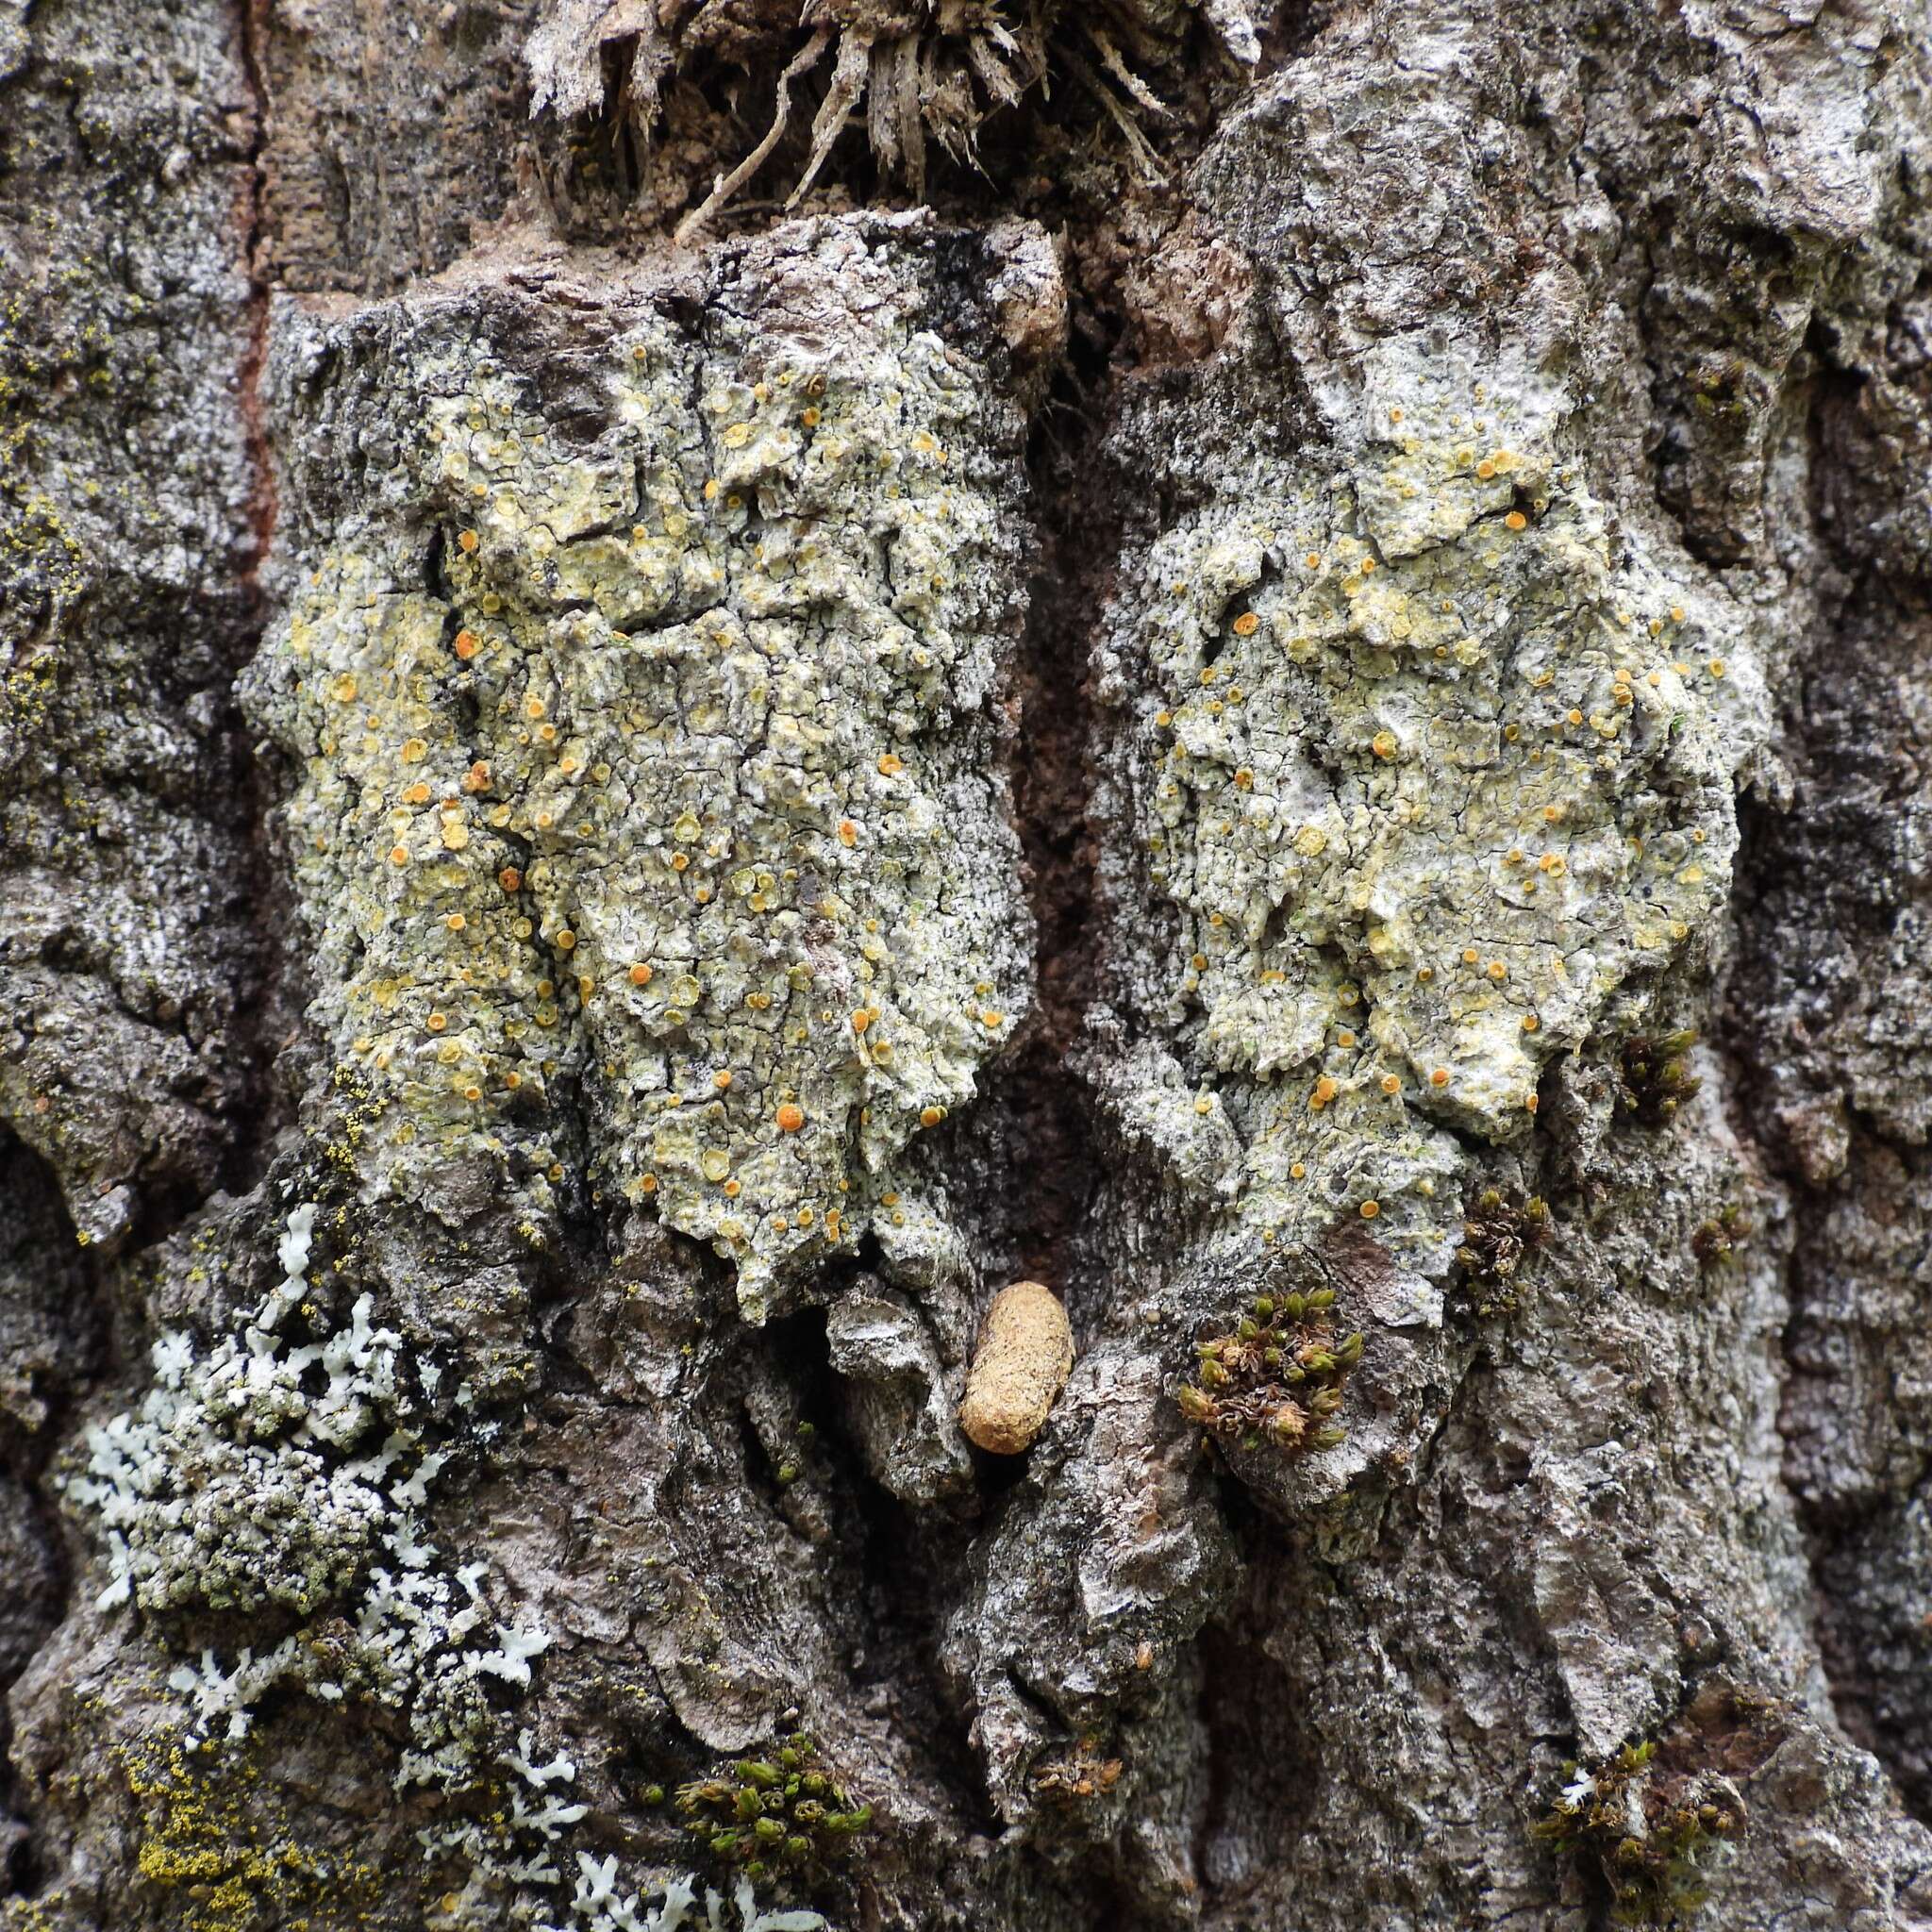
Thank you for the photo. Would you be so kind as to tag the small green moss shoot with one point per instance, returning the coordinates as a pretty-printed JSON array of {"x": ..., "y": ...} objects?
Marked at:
[
  {"x": 1654, "y": 1078},
  {"x": 1721, "y": 1237},
  {"x": 1655, "y": 1838},
  {"x": 1500, "y": 1238}
]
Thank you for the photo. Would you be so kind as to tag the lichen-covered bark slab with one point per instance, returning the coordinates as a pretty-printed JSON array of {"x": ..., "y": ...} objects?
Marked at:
[
  {"x": 645, "y": 734},
  {"x": 1436, "y": 757}
]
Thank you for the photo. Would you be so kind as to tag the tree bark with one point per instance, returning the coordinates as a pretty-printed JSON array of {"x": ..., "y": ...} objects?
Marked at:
[{"x": 1269, "y": 668}]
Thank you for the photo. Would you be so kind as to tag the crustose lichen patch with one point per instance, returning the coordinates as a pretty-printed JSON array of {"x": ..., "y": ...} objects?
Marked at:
[{"x": 675, "y": 779}]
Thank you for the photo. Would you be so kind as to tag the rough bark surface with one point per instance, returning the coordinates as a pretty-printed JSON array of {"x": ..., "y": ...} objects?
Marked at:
[{"x": 681, "y": 688}]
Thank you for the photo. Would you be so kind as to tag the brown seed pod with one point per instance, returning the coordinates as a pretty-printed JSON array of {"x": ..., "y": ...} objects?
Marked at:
[{"x": 1026, "y": 1350}]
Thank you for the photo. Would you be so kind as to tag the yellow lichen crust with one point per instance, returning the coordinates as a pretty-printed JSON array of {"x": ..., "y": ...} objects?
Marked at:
[
  {"x": 1428, "y": 758},
  {"x": 668, "y": 777},
  {"x": 205, "y": 1848}
]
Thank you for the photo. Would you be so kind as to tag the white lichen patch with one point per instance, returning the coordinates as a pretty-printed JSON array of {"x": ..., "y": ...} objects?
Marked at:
[
  {"x": 1429, "y": 758},
  {"x": 251, "y": 1474},
  {"x": 261, "y": 1472},
  {"x": 600, "y": 1905},
  {"x": 678, "y": 780},
  {"x": 257, "y": 1472}
]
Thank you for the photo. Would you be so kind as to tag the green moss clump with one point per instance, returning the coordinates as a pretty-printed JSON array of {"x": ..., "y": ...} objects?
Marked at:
[
  {"x": 1500, "y": 1238},
  {"x": 1655, "y": 1835},
  {"x": 1722, "y": 1236},
  {"x": 774, "y": 1815},
  {"x": 1653, "y": 1079},
  {"x": 1277, "y": 1377}
]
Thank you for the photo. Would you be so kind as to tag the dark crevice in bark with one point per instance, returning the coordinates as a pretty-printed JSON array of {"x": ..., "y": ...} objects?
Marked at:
[
  {"x": 56, "y": 1342},
  {"x": 1290, "y": 28},
  {"x": 265, "y": 1002},
  {"x": 1052, "y": 1143},
  {"x": 915, "y": 1576},
  {"x": 1822, "y": 888},
  {"x": 1260, "y": 1762},
  {"x": 907, "y": 1570}
]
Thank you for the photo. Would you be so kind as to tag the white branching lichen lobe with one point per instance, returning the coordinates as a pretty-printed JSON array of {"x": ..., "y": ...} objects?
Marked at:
[
  {"x": 1432, "y": 759},
  {"x": 675, "y": 782}
]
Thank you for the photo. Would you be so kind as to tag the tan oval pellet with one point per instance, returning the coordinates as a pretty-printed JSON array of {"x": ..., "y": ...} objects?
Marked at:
[{"x": 1026, "y": 1350}]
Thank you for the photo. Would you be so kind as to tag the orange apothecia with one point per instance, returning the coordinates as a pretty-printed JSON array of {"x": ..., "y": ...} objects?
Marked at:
[
  {"x": 466, "y": 542},
  {"x": 509, "y": 878},
  {"x": 722, "y": 1079},
  {"x": 641, "y": 975},
  {"x": 891, "y": 765},
  {"x": 790, "y": 1117},
  {"x": 1246, "y": 624},
  {"x": 466, "y": 644}
]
